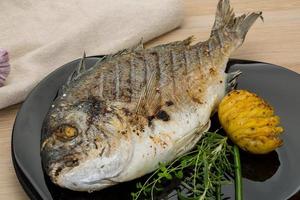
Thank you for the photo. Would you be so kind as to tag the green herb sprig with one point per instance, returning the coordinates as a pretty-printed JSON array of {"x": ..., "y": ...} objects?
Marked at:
[
  {"x": 237, "y": 173},
  {"x": 199, "y": 173}
]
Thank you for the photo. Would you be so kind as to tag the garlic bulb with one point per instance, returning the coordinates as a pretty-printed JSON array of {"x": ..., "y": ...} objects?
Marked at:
[{"x": 4, "y": 66}]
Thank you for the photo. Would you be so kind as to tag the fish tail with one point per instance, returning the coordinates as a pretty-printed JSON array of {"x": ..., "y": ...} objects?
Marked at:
[
  {"x": 228, "y": 26},
  {"x": 231, "y": 80}
]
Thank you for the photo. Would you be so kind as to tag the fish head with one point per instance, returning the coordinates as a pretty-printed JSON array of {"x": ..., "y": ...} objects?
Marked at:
[{"x": 82, "y": 148}]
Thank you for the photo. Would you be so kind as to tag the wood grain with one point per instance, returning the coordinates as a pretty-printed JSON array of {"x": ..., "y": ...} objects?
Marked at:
[{"x": 276, "y": 40}]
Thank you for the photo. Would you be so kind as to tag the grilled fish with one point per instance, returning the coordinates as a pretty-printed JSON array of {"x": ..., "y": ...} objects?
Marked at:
[{"x": 132, "y": 110}]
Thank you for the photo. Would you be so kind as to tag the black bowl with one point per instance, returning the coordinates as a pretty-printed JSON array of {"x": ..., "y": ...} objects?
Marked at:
[{"x": 274, "y": 176}]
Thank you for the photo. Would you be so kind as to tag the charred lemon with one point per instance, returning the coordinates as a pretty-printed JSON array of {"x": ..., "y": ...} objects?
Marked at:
[{"x": 250, "y": 122}]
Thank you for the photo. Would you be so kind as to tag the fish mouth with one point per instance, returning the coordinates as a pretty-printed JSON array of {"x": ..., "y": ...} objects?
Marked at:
[
  {"x": 85, "y": 186},
  {"x": 55, "y": 172},
  {"x": 105, "y": 182},
  {"x": 55, "y": 166}
]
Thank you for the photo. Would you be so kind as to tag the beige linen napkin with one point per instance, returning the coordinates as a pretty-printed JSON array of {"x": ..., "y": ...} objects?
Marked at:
[{"x": 43, "y": 35}]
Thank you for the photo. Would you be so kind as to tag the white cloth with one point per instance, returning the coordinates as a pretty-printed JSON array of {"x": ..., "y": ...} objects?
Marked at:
[{"x": 43, "y": 35}]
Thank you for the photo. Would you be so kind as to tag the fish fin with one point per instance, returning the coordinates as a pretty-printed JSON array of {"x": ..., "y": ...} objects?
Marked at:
[
  {"x": 99, "y": 61},
  {"x": 188, "y": 141},
  {"x": 108, "y": 57},
  {"x": 121, "y": 52},
  {"x": 225, "y": 21},
  {"x": 185, "y": 42},
  {"x": 149, "y": 100},
  {"x": 79, "y": 70},
  {"x": 231, "y": 80},
  {"x": 81, "y": 66},
  {"x": 139, "y": 46},
  {"x": 188, "y": 40}
]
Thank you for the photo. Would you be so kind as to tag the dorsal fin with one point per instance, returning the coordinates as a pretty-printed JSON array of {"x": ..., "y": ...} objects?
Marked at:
[
  {"x": 185, "y": 42},
  {"x": 150, "y": 97},
  {"x": 79, "y": 70},
  {"x": 99, "y": 61},
  {"x": 81, "y": 66},
  {"x": 139, "y": 46}
]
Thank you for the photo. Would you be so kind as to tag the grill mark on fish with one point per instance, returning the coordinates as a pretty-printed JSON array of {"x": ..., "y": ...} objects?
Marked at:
[
  {"x": 185, "y": 62},
  {"x": 147, "y": 69},
  {"x": 205, "y": 59},
  {"x": 166, "y": 71},
  {"x": 178, "y": 63},
  {"x": 134, "y": 74},
  {"x": 161, "y": 70},
  {"x": 125, "y": 88},
  {"x": 101, "y": 84},
  {"x": 117, "y": 81},
  {"x": 132, "y": 78},
  {"x": 172, "y": 72},
  {"x": 152, "y": 65},
  {"x": 199, "y": 56},
  {"x": 161, "y": 77},
  {"x": 129, "y": 80},
  {"x": 138, "y": 75},
  {"x": 109, "y": 86},
  {"x": 96, "y": 107},
  {"x": 191, "y": 59}
]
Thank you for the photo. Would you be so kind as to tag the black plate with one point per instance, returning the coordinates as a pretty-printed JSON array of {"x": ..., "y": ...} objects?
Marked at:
[{"x": 274, "y": 176}]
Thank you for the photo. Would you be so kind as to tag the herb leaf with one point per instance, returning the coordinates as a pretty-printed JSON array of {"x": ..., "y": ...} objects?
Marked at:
[{"x": 199, "y": 173}]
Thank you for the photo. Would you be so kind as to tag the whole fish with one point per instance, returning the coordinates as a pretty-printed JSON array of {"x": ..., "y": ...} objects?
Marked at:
[{"x": 118, "y": 120}]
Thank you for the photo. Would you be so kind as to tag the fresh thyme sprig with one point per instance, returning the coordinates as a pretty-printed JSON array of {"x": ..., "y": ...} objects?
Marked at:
[{"x": 199, "y": 173}]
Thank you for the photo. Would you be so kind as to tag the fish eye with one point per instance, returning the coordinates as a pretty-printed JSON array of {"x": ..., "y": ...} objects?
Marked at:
[{"x": 66, "y": 132}]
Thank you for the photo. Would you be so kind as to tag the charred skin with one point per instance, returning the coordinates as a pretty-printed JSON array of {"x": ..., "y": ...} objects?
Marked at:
[{"x": 135, "y": 109}]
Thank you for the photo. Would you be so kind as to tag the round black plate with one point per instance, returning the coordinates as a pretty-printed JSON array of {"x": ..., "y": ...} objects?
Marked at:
[{"x": 274, "y": 176}]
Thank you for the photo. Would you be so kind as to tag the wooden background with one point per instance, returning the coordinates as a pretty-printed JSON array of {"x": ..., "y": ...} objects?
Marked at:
[{"x": 277, "y": 41}]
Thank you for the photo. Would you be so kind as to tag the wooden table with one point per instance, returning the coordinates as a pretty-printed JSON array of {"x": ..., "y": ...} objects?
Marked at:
[{"x": 277, "y": 41}]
